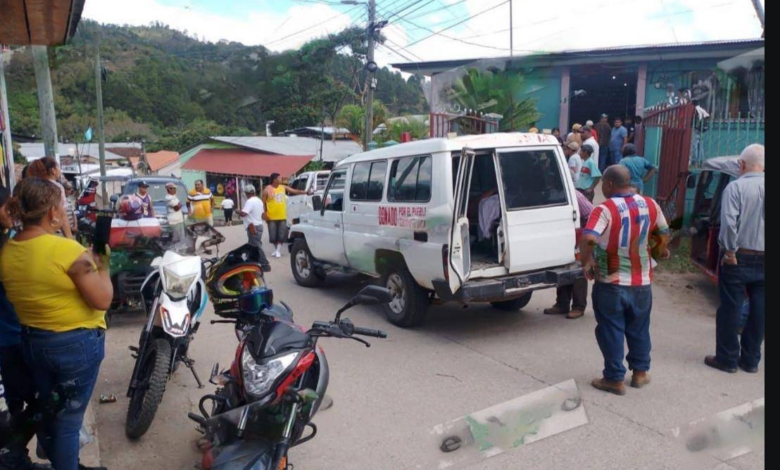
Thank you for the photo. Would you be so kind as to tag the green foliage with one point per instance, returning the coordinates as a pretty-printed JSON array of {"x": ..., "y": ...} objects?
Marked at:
[
  {"x": 352, "y": 117},
  {"x": 416, "y": 127},
  {"x": 171, "y": 89},
  {"x": 497, "y": 92}
]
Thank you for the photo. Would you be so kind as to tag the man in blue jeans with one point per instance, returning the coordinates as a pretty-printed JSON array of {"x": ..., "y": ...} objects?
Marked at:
[
  {"x": 742, "y": 267},
  {"x": 615, "y": 250}
]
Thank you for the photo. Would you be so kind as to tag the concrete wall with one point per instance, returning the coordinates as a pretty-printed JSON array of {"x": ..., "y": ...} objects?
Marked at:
[{"x": 544, "y": 86}]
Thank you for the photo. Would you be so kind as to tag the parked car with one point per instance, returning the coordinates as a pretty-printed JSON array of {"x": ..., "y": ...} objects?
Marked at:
[
  {"x": 310, "y": 181},
  {"x": 430, "y": 219}
]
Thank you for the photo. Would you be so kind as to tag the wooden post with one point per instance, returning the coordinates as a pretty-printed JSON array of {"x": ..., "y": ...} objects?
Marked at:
[{"x": 46, "y": 101}]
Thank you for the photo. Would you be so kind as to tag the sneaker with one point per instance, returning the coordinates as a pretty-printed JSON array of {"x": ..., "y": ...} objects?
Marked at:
[{"x": 617, "y": 388}]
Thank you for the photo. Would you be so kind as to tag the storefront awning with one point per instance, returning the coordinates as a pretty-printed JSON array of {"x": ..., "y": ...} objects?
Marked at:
[
  {"x": 38, "y": 22},
  {"x": 246, "y": 163}
]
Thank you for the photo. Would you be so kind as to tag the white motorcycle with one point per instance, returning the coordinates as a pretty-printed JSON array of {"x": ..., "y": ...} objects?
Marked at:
[{"x": 175, "y": 297}]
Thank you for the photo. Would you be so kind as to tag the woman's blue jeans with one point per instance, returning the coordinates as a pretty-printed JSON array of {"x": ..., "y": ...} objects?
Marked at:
[{"x": 68, "y": 363}]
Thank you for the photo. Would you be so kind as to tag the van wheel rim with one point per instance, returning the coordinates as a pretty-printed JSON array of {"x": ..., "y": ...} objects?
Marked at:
[
  {"x": 302, "y": 265},
  {"x": 396, "y": 286}
]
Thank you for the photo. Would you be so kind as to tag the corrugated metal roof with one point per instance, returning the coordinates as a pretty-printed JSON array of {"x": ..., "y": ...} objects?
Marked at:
[
  {"x": 331, "y": 151},
  {"x": 608, "y": 54},
  {"x": 34, "y": 151},
  {"x": 245, "y": 163}
]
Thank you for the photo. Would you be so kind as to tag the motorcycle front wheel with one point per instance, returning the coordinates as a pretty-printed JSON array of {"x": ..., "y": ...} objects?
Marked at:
[{"x": 152, "y": 378}]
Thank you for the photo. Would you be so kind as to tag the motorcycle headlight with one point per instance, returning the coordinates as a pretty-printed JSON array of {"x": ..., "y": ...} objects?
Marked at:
[
  {"x": 178, "y": 286},
  {"x": 258, "y": 378}
]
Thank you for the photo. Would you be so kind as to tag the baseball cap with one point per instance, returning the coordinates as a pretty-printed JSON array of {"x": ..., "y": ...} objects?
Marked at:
[
  {"x": 573, "y": 146},
  {"x": 143, "y": 184},
  {"x": 170, "y": 185},
  {"x": 250, "y": 188},
  {"x": 605, "y": 115},
  {"x": 576, "y": 127},
  {"x": 589, "y": 123}
]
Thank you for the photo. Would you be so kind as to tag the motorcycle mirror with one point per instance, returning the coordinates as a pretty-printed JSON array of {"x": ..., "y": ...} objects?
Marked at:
[
  {"x": 214, "y": 373},
  {"x": 114, "y": 198},
  {"x": 374, "y": 295}
]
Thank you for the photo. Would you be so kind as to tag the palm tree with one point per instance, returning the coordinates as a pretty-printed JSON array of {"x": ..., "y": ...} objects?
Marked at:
[
  {"x": 499, "y": 93},
  {"x": 353, "y": 117}
]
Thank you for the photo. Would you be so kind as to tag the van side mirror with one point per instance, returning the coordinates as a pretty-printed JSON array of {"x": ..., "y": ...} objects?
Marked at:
[{"x": 316, "y": 202}]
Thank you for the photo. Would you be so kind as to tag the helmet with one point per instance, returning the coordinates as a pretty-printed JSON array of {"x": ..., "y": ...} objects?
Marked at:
[
  {"x": 130, "y": 207},
  {"x": 236, "y": 284}
]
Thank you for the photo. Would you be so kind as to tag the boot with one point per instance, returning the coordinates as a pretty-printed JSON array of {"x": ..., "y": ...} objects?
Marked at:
[
  {"x": 575, "y": 314},
  {"x": 618, "y": 388},
  {"x": 640, "y": 379},
  {"x": 556, "y": 310}
]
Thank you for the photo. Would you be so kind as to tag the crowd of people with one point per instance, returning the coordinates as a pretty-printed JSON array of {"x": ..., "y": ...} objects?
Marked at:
[{"x": 622, "y": 238}]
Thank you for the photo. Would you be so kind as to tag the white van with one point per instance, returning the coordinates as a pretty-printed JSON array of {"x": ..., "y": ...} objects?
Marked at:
[
  {"x": 310, "y": 181},
  {"x": 485, "y": 218}
]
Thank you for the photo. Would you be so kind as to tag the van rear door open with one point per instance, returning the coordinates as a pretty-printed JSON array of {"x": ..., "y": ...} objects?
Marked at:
[
  {"x": 539, "y": 208},
  {"x": 460, "y": 249}
]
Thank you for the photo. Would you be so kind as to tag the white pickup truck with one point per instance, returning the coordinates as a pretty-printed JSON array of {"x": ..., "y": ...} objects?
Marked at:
[{"x": 297, "y": 205}]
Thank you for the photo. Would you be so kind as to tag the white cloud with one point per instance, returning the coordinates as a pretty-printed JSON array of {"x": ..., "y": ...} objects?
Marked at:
[{"x": 556, "y": 25}]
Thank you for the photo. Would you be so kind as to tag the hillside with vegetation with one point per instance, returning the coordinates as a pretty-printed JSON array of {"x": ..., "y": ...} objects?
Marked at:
[{"x": 172, "y": 89}]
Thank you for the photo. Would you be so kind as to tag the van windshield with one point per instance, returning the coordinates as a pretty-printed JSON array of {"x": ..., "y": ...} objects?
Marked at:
[{"x": 532, "y": 179}]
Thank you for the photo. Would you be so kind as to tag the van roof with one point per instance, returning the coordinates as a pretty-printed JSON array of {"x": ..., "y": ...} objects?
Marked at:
[{"x": 431, "y": 146}]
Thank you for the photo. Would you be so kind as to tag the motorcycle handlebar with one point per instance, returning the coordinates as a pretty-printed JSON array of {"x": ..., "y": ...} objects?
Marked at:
[{"x": 370, "y": 332}]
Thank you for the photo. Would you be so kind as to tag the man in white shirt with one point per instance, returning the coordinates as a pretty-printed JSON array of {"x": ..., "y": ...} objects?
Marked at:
[
  {"x": 572, "y": 152},
  {"x": 588, "y": 139},
  {"x": 252, "y": 213},
  {"x": 175, "y": 215}
]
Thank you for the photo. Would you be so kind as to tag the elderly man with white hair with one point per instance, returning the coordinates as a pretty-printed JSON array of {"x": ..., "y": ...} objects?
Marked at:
[{"x": 742, "y": 267}]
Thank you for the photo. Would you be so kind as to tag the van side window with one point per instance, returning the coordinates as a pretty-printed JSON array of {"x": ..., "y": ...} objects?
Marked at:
[
  {"x": 334, "y": 195},
  {"x": 532, "y": 179},
  {"x": 410, "y": 180},
  {"x": 368, "y": 181}
]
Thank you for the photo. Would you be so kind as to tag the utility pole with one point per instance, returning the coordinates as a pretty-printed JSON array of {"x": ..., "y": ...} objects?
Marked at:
[
  {"x": 46, "y": 101},
  {"x": 371, "y": 69},
  {"x": 101, "y": 135},
  {"x": 511, "y": 30},
  {"x": 7, "y": 144},
  {"x": 760, "y": 12}
]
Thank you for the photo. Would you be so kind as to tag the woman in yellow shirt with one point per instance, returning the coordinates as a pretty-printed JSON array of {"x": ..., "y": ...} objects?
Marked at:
[{"x": 60, "y": 293}]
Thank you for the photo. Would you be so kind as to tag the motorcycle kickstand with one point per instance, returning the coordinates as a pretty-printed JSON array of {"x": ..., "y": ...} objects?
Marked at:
[{"x": 190, "y": 363}]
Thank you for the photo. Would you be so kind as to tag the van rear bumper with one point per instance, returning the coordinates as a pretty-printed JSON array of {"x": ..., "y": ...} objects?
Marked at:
[{"x": 509, "y": 287}]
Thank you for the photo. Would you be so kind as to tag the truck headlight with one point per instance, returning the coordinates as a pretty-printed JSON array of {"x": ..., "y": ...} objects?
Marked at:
[{"x": 258, "y": 378}]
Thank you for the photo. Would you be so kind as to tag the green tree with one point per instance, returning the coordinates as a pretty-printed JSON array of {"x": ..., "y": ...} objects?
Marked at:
[
  {"x": 497, "y": 92},
  {"x": 352, "y": 117}
]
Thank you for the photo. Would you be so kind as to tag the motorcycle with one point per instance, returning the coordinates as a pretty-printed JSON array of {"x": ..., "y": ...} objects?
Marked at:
[
  {"x": 175, "y": 296},
  {"x": 275, "y": 386}
]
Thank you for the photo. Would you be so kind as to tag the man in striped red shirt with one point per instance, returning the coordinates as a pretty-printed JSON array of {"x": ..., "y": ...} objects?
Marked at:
[{"x": 616, "y": 252}]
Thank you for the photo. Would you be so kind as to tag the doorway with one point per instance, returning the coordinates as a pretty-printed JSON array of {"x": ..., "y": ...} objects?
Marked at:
[{"x": 607, "y": 90}]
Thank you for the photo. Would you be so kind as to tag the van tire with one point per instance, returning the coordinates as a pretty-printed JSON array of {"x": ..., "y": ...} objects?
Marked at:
[
  {"x": 410, "y": 303},
  {"x": 302, "y": 264},
  {"x": 512, "y": 305}
]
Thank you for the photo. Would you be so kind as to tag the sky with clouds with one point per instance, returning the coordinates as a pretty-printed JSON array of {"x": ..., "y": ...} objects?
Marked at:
[{"x": 423, "y": 30}]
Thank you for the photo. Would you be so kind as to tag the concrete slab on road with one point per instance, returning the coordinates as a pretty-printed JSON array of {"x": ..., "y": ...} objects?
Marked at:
[{"x": 460, "y": 361}]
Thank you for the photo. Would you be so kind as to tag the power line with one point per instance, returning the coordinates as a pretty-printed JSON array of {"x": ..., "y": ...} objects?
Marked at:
[
  {"x": 437, "y": 33},
  {"x": 314, "y": 26}
]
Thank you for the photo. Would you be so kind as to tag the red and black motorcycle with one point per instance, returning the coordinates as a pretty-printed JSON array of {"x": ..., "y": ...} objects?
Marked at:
[{"x": 266, "y": 400}]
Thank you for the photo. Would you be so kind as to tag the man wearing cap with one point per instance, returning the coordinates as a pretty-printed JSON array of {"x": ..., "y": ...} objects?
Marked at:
[
  {"x": 593, "y": 132},
  {"x": 572, "y": 152},
  {"x": 574, "y": 135},
  {"x": 175, "y": 215},
  {"x": 146, "y": 200},
  {"x": 253, "y": 213}
]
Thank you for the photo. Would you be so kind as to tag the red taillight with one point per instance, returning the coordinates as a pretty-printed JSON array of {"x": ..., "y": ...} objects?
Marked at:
[{"x": 445, "y": 261}]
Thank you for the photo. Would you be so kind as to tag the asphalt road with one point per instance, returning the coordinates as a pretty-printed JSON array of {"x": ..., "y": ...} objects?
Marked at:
[{"x": 388, "y": 397}]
